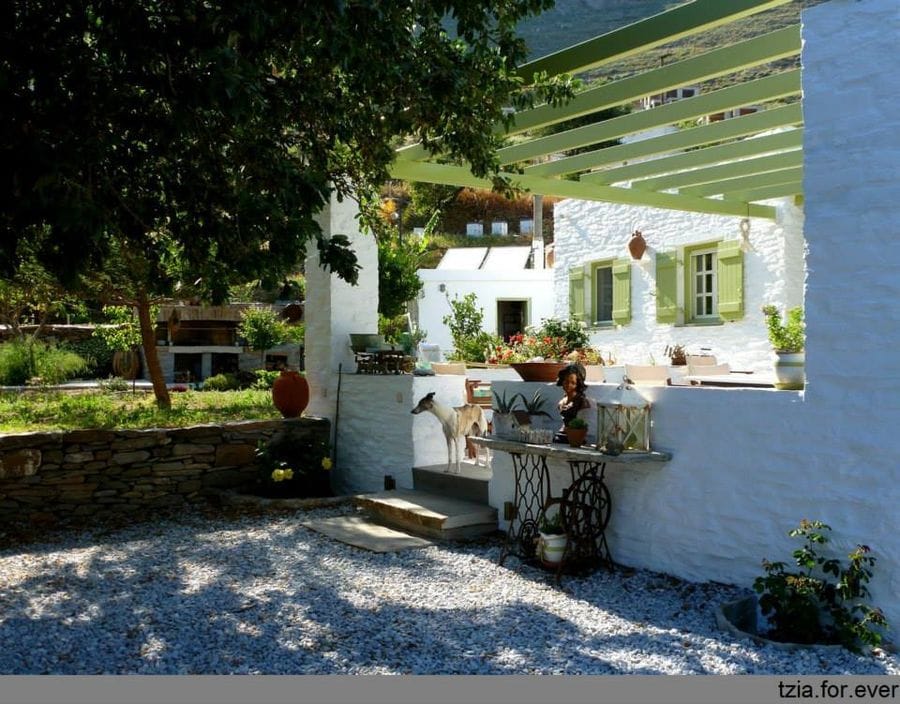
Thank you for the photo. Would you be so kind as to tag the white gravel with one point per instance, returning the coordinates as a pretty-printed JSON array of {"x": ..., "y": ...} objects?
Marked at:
[{"x": 263, "y": 594}]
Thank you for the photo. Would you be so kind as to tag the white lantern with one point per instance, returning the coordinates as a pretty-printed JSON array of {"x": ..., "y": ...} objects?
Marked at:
[{"x": 623, "y": 422}]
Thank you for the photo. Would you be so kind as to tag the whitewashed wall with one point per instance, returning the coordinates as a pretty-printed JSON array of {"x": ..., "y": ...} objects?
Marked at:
[
  {"x": 377, "y": 434},
  {"x": 773, "y": 273},
  {"x": 533, "y": 285},
  {"x": 749, "y": 464}
]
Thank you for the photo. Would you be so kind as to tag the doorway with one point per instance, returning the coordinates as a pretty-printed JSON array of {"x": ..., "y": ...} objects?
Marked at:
[{"x": 512, "y": 317}]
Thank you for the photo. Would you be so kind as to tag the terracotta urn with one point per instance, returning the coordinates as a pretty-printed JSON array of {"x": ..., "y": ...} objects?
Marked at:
[
  {"x": 637, "y": 245},
  {"x": 290, "y": 393},
  {"x": 576, "y": 436}
]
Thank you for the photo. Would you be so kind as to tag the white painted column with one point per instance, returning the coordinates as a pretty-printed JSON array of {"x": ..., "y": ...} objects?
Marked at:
[{"x": 334, "y": 308}]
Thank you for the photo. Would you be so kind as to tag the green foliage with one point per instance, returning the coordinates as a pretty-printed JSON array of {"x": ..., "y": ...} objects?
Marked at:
[
  {"x": 787, "y": 336},
  {"x": 573, "y": 332},
  {"x": 464, "y": 320},
  {"x": 577, "y": 423},
  {"x": 221, "y": 382},
  {"x": 22, "y": 361},
  {"x": 293, "y": 464},
  {"x": 551, "y": 524},
  {"x": 123, "y": 331},
  {"x": 264, "y": 379},
  {"x": 262, "y": 329},
  {"x": 51, "y": 411},
  {"x": 96, "y": 354},
  {"x": 398, "y": 280},
  {"x": 536, "y": 404},
  {"x": 821, "y": 601},
  {"x": 506, "y": 404}
]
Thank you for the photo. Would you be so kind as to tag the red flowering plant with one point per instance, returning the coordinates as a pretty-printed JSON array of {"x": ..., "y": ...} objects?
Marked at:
[{"x": 552, "y": 340}]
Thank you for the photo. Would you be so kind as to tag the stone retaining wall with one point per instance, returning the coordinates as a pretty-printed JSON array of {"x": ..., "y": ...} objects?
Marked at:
[{"x": 86, "y": 475}]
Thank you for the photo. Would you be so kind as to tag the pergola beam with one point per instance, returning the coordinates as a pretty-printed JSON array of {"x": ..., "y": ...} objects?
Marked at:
[
  {"x": 773, "y": 118},
  {"x": 743, "y": 183},
  {"x": 779, "y": 190},
  {"x": 665, "y": 27},
  {"x": 719, "y": 62},
  {"x": 722, "y": 172},
  {"x": 761, "y": 90},
  {"x": 745, "y": 148},
  {"x": 461, "y": 176}
]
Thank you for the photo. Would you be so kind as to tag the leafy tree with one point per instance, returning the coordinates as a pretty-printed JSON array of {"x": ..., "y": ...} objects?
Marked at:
[
  {"x": 213, "y": 132},
  {"x": 263, "y": 329}
]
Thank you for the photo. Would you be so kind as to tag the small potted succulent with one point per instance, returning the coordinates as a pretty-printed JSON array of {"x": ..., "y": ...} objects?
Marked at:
[{"x": 576, "y": 431}]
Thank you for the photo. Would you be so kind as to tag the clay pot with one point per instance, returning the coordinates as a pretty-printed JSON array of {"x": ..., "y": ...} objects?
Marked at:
[
  {"x": 576, "y": 436},
  {"x": 290, "y": 393},
  {"x": 638, "y": 245},
  {"x": 538, "y": 371}
]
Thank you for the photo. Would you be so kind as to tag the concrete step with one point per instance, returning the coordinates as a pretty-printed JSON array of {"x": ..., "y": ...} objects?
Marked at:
[
  {"x": 471, "y": 484},
  {"x": 429, "y": 515}
]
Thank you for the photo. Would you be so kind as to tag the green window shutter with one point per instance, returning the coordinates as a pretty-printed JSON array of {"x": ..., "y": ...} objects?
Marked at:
[
  {"x": 621, "y": 274},
  {"x": 730, "y": 273},
  {"x": 666, "y": 287},
  {"x": 588, "y": 314},
  {"x": 576, "y": 292}
]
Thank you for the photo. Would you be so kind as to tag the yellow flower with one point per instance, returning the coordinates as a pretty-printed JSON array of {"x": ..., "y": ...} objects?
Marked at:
[
  {"x": 277, "y": 475},
  {"x": 326, "y": 463},
  {"x": 289, "y": 474}
]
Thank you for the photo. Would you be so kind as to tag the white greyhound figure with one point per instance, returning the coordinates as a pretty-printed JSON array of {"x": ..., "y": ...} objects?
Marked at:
[{"x": 458, "y": 423}]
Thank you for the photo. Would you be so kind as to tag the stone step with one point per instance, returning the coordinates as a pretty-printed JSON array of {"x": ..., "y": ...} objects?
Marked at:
[
  {"x": 471, "y": 484},
  {"x": 429, "y": 515}
]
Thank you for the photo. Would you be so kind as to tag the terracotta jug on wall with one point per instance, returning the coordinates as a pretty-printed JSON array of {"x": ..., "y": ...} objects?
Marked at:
[
  {"x": 638, "y": 245},
  {"x": 290, "y": 393}
]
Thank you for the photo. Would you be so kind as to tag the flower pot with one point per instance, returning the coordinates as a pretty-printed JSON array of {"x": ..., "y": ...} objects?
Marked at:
[
  {"x": 538, "y": 371},
  {"x": 504, "y": 426},
  {"x": 551, "y": 548},
  {"x": 576, "y": 436},
  {"x": 290, "y": 393},
  {"x": 790, "y": 370}
]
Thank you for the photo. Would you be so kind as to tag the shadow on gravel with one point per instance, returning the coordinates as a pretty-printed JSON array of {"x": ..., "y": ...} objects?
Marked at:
[{"x": 254, "y": 595}]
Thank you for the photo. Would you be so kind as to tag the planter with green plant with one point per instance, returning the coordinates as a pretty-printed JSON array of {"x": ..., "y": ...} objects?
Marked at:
[
  {"x": 788, "y": 339},
  {"x": 823, "y": 600},
  {"x": 551, "y": 540},
  {"x": 504, "y": 422},
  {"x": 576, "y": 431}
]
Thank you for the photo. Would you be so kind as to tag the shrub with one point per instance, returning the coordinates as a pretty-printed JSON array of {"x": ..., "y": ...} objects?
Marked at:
[
  {"x": 97, "y": 355},
  {"x": 293, "y": 464},
  {"x": 822, "y": 601},
  {"x": 262, "y": 329},
  {"x": 264, "y": 379},
  {"x": 221, "y": 382},
  {"x": 21, "y": 361}
]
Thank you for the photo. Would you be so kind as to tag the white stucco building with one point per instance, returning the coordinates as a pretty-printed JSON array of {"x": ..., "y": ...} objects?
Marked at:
[
  {"x": 747, "y": 464},
  {"x": 512, "y": 294}
]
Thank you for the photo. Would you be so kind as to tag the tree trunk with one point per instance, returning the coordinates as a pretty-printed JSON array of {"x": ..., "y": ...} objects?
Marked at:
[{"x": 148, "y": 342}]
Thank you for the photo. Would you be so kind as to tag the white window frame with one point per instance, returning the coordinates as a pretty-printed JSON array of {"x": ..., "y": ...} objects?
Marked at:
[{"x": 713, "y": 293}]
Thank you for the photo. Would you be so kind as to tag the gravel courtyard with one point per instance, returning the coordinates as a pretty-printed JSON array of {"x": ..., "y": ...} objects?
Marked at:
[{"x": 263, "y": 594}]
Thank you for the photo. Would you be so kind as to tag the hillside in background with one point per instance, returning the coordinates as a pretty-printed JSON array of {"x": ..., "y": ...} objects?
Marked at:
[{"x": 573, "y": 21}]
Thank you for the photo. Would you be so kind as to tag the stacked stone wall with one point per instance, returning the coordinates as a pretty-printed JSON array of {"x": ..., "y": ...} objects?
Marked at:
[{"x": 82, "y": 476}]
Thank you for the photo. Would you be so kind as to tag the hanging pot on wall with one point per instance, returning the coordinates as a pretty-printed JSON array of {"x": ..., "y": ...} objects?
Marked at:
[
  {"x": 637, "y": 245},
  {"x": 290, "y": 393}
]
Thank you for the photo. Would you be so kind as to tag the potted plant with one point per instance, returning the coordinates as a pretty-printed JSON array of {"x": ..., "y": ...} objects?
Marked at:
[
  {"x": 576, "y": 431},
  {"x": 504, "y": 422},
  {"x": 533, "y": 407},
  {"x": 551, "y": 539},
  {"x": 788, "y": 338}
]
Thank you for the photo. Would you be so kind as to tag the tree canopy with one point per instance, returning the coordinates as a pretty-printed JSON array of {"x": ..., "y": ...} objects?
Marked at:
[{"x": 212, "y": 132}]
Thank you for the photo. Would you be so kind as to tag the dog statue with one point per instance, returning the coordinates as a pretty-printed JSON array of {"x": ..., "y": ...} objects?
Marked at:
[{"x": 458, "y": 423}]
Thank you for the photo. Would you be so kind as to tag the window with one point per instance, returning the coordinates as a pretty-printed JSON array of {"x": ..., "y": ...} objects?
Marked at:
[
  {"x": 700, "y": 284},
  {"x": 703, "y": 288},
  {"x": 603, "y": 294},
  {"x": 600, "y": 293}
]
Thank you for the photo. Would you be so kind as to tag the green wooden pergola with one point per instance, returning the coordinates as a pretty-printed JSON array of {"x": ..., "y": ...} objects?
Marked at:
[{"x": 722, "y": 167}]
